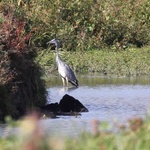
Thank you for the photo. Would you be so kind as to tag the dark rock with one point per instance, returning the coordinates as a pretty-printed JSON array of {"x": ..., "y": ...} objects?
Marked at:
[
  {"x": 70, "y": 104},
  {"x": 53, "y": 107}
]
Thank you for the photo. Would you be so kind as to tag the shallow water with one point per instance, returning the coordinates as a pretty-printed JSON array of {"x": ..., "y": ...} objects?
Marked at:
[
  {"x": 107, "y": 99},
  {"x": 114, "y": 100}
]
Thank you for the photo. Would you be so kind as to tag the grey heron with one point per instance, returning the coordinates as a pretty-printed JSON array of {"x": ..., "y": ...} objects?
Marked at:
[{"x": 64, "y": 70}]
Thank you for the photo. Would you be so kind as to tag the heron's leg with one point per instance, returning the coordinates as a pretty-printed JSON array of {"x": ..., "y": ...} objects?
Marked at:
[
  {"x": 67, "y": 81},
  {"x": 63, "y": 80}
]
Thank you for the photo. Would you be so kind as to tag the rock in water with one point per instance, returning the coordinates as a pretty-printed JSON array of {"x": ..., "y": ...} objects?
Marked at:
[
  {"x": 70, "y": 104},
  {"x": 53, "y": 107}
]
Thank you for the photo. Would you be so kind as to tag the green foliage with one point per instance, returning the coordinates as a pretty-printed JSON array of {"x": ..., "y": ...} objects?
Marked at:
[{"x": 87, "y": 24}]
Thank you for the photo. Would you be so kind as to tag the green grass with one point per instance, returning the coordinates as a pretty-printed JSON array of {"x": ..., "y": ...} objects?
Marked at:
[{"x": 130, "y": 62}]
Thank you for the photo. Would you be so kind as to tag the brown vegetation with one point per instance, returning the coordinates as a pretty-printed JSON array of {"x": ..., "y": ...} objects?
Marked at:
[{"x": 20, "y": 83}]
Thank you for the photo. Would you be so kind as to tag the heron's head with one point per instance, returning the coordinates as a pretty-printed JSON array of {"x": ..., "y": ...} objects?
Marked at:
[{"x": 54, "y": 41}]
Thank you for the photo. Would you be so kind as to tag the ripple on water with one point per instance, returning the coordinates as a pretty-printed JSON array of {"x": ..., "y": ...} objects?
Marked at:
[{"x": 106, "y": 102}]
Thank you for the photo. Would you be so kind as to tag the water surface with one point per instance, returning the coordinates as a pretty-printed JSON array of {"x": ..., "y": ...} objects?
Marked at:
[{"x": 107, "y": 99}]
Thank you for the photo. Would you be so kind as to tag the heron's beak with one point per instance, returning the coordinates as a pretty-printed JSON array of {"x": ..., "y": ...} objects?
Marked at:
[{"x": 49, "y": 42}]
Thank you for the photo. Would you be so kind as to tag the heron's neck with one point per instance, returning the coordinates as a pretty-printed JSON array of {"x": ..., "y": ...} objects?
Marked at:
[
  {"x": 58, "y": 59},
  {"x": 56, "y": 49}
]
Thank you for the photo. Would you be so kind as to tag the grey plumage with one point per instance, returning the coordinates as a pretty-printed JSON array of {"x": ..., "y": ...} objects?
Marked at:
[{"x": 64, "y": 70}]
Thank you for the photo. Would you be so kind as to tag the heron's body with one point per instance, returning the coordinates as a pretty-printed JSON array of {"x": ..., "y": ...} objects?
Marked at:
[{"x": 64, "y": 70}]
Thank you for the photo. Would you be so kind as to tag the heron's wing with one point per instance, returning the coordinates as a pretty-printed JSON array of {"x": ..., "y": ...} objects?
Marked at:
[{"x": 66, "y": 71}]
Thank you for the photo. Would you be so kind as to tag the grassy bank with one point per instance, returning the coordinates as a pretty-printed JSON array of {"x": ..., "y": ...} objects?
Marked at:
[
  {"x": 31, "y": 137},
  {"x": 131, "y": 62}
]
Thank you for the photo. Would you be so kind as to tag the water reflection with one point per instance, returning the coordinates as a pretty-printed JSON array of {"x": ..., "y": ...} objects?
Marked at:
[
  {"x": 107, "y": 99},
  {"x": 95, "y": 80},
  {"x": 120, "y": 98},
  {"x": 67, "y": 89},
  {"x": 105, "y": 102}
]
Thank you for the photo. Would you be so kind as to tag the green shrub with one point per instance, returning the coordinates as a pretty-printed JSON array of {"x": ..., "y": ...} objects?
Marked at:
[
  {"x": 20, "y": 76},
  {"x": 88, "y": 24}
]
